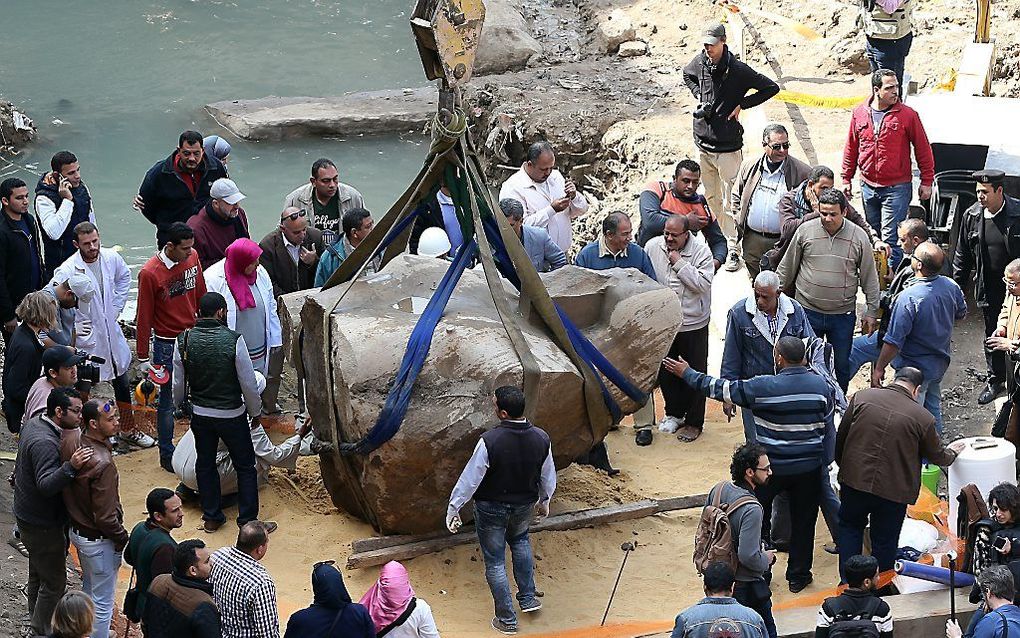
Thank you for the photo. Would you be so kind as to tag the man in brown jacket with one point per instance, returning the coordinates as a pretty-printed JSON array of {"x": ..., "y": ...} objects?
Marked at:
[
  {"x": 883, "y": 437},
  {"x": 93, "y": 507},
  {"x": 180, "y": 605},
  {"x": 760, "y": 185}
]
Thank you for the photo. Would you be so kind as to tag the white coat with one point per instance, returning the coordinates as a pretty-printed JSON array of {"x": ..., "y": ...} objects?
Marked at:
[
  {"x": 96, "y": 325},
  {"x": 216, "y": 281}
]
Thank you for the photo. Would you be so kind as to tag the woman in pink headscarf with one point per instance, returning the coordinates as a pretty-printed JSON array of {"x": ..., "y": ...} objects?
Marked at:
[
  {"x": 251, "y": 304},
  {"x": 394, "y": 609}
]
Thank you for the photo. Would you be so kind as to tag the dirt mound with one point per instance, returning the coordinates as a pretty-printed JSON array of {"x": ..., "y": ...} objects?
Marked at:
[
  {"x": 587, "y": 487},
  {"x": 306, "y": 483}
]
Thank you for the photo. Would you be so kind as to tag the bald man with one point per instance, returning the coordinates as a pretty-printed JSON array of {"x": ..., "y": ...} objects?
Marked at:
[{"x": 921, "y": 327}]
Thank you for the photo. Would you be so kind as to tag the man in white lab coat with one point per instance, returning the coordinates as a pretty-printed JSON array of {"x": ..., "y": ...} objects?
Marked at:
[{"x": 98, "y": 331}]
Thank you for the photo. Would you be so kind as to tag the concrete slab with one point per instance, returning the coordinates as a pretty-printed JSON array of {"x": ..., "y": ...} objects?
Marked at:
[{"x": 364, "y": 113}]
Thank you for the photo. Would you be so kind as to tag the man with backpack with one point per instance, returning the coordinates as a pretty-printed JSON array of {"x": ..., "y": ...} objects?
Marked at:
[
  {"x": 730, "y": 532},
  {"x": 719, "y": 613},
  {"x": 793, "y": 419},
  {"x": 858, "y": 612}
]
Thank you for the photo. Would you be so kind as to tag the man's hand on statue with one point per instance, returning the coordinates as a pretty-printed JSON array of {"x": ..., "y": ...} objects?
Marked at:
[{"x": 676, "y": 366}]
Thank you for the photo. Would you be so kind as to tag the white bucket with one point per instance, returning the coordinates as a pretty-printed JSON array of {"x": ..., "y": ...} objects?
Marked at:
[{"x": 985, "y": 462}]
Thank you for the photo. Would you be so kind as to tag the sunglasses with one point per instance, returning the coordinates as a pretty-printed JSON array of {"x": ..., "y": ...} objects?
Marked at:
[
  {"x": 776, "y": 147},
  {"x": 107, "y": 407},
  {"x": 294, "y": 216},
  {"x": 331, "y": 563}
]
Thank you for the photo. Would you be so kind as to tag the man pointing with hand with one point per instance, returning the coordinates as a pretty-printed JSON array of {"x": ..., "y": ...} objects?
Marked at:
[{"x": 512, "y": 477}]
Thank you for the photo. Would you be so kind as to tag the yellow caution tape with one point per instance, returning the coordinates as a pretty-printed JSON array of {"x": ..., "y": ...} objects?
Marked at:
[{"x": 806, "y": 99}]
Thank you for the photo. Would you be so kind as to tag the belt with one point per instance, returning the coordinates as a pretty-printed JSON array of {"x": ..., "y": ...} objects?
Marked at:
[
  {"x": 168, "y": 339},
  {"x": 768, "y": 235},
  {"x": 89, "y": 535}
]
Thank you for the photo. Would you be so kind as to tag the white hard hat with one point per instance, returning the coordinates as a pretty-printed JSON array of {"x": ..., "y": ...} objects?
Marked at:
[
  {"x": 433, "y": 243},
  {"x": 260, "y": 382}
]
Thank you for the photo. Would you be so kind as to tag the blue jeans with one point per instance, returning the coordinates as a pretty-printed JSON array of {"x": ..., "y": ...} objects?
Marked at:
[
  {"x": 499, "y": 525},
  {"x": 864, "y": 350},
  {"x": 99, "y": 565},
  {"x": 890, "y": 54},
  {"x": 163, "y": 354},
  {"x": 236, "y": 435},
  {"x": 838, "y": 330},
  {"x": 930, "y": 397},
  {"x": 885, "y": 207}
]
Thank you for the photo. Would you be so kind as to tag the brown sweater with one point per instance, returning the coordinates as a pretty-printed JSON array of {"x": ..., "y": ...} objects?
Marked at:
[
  {"x": 826, "y": 271},
  {"x": 880, "y": 443}
]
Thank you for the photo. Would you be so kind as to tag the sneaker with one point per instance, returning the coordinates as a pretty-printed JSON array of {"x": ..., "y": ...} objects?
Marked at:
[
  {"x": 503, "y": 628},
  {"x": 532, "y": 605},
  {"x": 733, "y": 262},
  {"x": 670, "y": 424},
  {"x": 137, "y": 438},
  {"x": 644, "y": 437}
]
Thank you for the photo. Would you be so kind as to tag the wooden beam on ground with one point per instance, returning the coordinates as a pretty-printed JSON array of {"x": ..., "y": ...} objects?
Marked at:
[{"x": 382, "y": 549}]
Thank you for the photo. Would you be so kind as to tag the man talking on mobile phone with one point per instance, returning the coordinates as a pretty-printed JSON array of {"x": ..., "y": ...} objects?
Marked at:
[{"x": 62, "y": 201}]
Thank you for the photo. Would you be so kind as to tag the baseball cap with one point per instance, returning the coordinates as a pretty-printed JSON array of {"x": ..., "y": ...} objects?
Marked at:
[
  {"x": 81, "y": 286},
  {"x": 226, "y": 190},
  {"x": 60, "y": 357},
  {"x": 713, "y": 33}
]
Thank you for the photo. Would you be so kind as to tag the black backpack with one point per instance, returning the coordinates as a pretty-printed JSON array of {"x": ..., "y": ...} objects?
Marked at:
[{"x": 859, "y": 625}]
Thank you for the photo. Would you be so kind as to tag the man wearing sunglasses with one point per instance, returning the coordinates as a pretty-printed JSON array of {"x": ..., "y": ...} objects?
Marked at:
[
  {"x": 290, "y": 253},
  {"x": 69, "y": 291},
  {"x": 94, "y": 509},
  {"x": 760, "y": 185}
]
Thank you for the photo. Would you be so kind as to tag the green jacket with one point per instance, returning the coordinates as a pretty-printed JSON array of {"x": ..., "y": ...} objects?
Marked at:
[{"x": 150, "y": 551}]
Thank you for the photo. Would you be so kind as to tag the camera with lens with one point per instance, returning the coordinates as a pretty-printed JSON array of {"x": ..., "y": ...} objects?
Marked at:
[
  {"x": 88, "y": 370},
  {"x": 703, "y": 111}
]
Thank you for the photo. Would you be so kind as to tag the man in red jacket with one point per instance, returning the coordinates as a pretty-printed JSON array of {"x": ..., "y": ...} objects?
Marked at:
[
  {"x": 882, "y": 131},
  {"x": 169, "y": 287}
]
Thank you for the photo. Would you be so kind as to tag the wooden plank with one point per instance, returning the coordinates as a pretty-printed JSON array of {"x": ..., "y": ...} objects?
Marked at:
[{"x": 380, "y": 550}]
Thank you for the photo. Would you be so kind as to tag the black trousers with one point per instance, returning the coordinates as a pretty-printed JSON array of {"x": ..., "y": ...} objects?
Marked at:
[
  {"x": 995, "y": 359},
  {"x": 757, "y": 595},
  {"x": 856, "y": 510},
  {"x": 683, "y": 401},
  {"x": 804, "y": 491},
  {"x": 47, "y": 572}
]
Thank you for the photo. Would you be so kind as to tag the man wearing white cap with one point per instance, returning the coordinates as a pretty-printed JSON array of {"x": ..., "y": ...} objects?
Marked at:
[
  {"x": 219, "y": 223},
  {"x": 68, "y": 291}
]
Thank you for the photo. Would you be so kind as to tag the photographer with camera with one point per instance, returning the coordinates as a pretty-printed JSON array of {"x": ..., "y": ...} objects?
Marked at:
[
  {"x": 721, "y": 83},
  {"x": 60, "y": 370},
  {"x": 96, "y": 322}
]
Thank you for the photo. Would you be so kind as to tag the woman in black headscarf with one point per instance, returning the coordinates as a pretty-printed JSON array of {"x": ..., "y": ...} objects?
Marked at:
[{"x": 332, "y": 614}]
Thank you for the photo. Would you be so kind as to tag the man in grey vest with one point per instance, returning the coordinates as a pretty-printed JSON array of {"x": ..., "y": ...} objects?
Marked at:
[
  {"x": 512, "y": 477},
  {"x": 212, "y": 367},
  {"x": 889, "y": 32}
]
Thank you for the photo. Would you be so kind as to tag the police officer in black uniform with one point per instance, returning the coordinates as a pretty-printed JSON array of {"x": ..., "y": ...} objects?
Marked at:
[{"x": 989, "y": 239}]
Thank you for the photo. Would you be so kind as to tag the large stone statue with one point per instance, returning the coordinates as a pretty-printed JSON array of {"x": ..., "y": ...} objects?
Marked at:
[{"x": 403, "y": 486}]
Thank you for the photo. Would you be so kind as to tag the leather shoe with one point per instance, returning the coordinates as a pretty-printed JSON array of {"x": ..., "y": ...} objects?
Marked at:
[
  {"x": 991, "y": 392},
  {"x": 212, "y": 526},
  {"x": 271, "y": 526},
  {"x": 166, "y": 465},
  {"x": 798, "y": 587},
  {"x": 644, "y": 437}
]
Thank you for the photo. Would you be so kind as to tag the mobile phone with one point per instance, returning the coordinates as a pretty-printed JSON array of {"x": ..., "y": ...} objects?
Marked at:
[{"x": 1000, "y": 543}]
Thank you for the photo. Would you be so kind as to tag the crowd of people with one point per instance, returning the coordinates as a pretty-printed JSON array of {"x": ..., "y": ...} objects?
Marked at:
[{"x": 209, "y": 345}]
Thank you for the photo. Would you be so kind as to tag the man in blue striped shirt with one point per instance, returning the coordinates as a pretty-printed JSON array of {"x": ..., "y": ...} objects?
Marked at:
[{"x": 793, "y": 421}]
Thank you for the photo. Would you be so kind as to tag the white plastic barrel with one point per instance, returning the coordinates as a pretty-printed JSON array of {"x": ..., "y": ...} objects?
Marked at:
[{"x": 985, "y": 462}]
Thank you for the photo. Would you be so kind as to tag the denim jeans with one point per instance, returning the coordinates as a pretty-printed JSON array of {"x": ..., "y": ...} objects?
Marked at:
[
  {"x": 499, "y": 525},
  {"x": 236, "y": 435},
  {"x": 890, "y": 54},
  {"x": 885, "y": 207},
  {"x": 99, "y": 565},
  {"x": 930, "y": 396},
  {"x": 856, "y": 510},
  {"x": 864, "y": 350},
  {"x": 163, "y": 354},
  {"x": 838, "y": 330}
]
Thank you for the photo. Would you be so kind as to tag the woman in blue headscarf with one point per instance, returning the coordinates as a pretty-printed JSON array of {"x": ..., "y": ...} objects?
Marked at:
[
  {"x": 217, "y": 147},
  {"x": 332, "y": 614}
]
